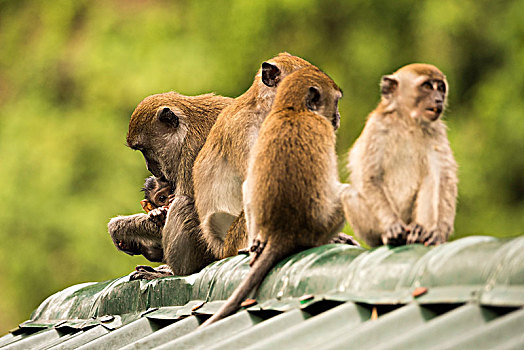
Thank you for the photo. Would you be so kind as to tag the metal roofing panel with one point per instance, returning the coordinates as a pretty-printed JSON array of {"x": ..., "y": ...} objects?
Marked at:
[
  {"x": 327, "y": 323},
  {"x": 124, "y": 335},
  {"x": 34, "y": 341},
  {"x": 203, "y": 337},
  {"x": 508, "y": 328},
  {"x": 81, "y": 339},
  {"x": 264, "y": 330},
  {"x": 372, "y": 333},
  {"x": 463, "y": 294},
  {"x": 166, "y": 334},
  {"x": 452, "y": 324}
]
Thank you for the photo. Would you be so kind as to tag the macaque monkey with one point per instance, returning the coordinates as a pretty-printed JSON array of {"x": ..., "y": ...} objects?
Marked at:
[
  {"x": 403, "y": 174},
  {"x": 292, "y": 191},
  {"x": 170, "y": 129},
  {"x": 221, "y": 166},
  {"x": 156, "y": 195}
]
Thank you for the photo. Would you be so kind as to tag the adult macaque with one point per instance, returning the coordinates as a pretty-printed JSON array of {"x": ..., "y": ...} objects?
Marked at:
[
  {"x": 291, "y": 194},
  {"x": 170, "y": 129},
  {"x": 403, "y": 174},
  {"x": 221, "y": 166}
]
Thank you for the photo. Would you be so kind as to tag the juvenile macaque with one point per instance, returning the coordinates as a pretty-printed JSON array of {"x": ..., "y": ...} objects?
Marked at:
[
  {"x": 403, "y": 174},
  {"x": 292, "y": 190},
  {"x": 156, "y": 196},
  {"x": 156, "y": 193},
  {"x": 170, "y": 129},
  {"x": 220, "y": 167}
]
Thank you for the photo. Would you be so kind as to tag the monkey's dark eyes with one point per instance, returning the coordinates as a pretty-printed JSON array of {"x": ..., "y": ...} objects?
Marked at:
[
  {"x": 441, "y": 86},
  {"x": 162, "y": 198},
  {"x": 427, "y": 85}
]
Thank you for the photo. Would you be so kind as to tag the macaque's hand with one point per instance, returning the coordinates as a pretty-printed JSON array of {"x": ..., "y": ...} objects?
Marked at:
[
  {"x": 420, "y": 235},
  {"x": 395, "y": 235},
  {"x": 158, "y": 215},
  {"x": 146, "y": 205},
  {"x": 416, "y": 234}
]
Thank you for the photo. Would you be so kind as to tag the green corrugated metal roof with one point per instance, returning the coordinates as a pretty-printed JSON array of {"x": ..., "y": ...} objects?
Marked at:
[{"x": 326, "y": 297}]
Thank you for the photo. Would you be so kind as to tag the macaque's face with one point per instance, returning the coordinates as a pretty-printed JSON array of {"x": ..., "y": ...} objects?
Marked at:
[
  {"x": 417, "y": 90},
  {"x": 159, "y": 197},
  {"x": 431, "y": 98}
]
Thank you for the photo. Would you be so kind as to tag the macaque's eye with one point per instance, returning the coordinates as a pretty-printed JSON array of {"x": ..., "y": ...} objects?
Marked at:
[
  {"x": 441, "y": 86},
  {"x": 162, "y": 198},
  {"x": 427, "y": 85}
]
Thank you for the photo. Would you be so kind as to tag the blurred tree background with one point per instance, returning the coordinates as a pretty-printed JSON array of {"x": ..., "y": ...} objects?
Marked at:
[{"x": 72, "y": 72}]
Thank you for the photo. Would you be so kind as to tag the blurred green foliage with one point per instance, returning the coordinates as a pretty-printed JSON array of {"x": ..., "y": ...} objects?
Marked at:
[{"x": 71, "y": 73}]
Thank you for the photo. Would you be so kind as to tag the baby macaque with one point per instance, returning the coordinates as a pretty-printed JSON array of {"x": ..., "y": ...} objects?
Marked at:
[
  {"x": 155, "y": 204},
  {"x": 156, "y": 193}
]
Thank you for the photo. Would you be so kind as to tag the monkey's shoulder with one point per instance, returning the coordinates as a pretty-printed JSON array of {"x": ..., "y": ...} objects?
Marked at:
[{"x": 303, "y": 120}]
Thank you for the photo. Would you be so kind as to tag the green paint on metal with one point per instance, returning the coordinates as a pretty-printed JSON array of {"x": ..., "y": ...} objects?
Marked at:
[
  {"x": 202, "y": 337},
  {"x": 378, "y": 276},
  {"x": 489, "y": 336},
  {"x": 317, "y": 270},
  {"x": 166, "y": 334},
  {"x": 304, "y": 334},
  {"x": 124, "y": 336},
  {"x": 505, "y": 284},
  {"x": 262, "y": 331},
  {"x": 218, "y": 280},
  {"x": 374, "y": 332},
  {"x": 482, "y": 269},
  {"x": 455, "y": 323},
  {"x": 81, "y": 339}
]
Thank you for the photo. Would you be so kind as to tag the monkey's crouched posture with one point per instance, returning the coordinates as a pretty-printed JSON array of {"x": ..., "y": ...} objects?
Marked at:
[
  {"x": 403, "y": 174},
  {"x": 291, "y": 194},
  {"x": 220, "y": 168},
  {"x": 169, "y": 129}
]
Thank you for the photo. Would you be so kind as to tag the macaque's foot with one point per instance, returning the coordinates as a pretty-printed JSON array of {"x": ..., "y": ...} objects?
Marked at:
[
  {"x": 433, "y": 237},
  {"x": 419, "y": 235},
  {"x": 256, "y": 248},
  {"x": 158, "y": 216},
  {"x": 144, "y": 272},
  {"x": 395, "y": 235},
  {"x": 416, "y": 234},
  {"x": 342, "y": 238}
]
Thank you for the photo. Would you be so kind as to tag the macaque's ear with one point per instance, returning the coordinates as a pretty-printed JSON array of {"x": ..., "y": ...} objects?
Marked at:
[
  {"x": 167, "y": 116},
  {"x": 313, "y": 99},
  {"x": 270, "y": 74},
  {"x": 388, "y": 85}
]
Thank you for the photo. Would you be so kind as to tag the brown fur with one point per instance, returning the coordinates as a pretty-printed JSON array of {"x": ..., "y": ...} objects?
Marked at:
[
  {"x": 292, "y": 187},
  {"x": 220, "y": 168},
  {"x": 170, "y": 129},
  {"x": 403, "y": 174}
]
